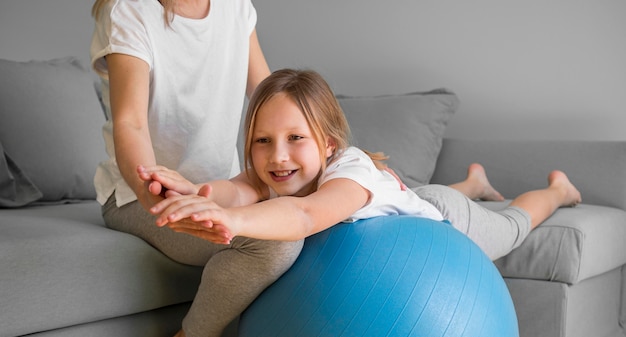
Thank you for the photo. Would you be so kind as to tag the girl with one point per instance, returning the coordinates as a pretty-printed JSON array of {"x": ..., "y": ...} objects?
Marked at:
[{"x": 308, "y": 178}]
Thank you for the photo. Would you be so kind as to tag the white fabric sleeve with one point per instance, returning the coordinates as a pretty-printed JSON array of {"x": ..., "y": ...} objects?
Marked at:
[{"x": 120, "y": 29}]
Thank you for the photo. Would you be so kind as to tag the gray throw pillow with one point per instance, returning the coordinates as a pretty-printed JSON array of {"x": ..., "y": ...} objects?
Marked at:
[
  {"x": 408, "y": 128},
  {"x": 16, "y": 189},
  {"x": 51, "y": 124}
]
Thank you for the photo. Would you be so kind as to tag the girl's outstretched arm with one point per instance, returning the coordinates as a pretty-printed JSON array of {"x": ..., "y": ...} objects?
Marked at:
[{"x": 283, "y": 218}]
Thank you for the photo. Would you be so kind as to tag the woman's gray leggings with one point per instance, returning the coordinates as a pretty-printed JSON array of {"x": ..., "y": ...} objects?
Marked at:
[{"x": 234, "y": 275}]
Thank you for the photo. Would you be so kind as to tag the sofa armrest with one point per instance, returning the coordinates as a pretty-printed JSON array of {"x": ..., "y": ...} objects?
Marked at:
[{"x": 597, "y": 168}]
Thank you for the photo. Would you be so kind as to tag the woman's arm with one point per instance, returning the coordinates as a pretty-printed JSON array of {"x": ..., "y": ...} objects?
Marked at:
[
  {"x": 283, "y": 218},
  {"x": 237, "y": 191},
  {"x": 258, "y": 69},
  {"x": 129, "y": 93}
]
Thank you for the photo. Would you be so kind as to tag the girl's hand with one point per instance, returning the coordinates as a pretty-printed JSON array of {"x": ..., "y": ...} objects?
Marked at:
[
  {"x": 165, "y": 182},
  {"x": 211, "y": 232}
]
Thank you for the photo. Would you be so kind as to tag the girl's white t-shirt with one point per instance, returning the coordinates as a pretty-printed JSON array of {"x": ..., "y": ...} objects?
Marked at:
[
  {"x": 386, "y": 196},
  {"x": 198, "y": 76}
]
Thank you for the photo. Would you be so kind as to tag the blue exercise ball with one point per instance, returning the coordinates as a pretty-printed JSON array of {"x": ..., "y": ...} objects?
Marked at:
[{"x": 386, "y": 276}]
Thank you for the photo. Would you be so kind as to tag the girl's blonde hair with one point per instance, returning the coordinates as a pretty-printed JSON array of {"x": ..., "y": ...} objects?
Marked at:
[
  {"x": 318, "y": 104},
  {"x": 168, "y": 9}
]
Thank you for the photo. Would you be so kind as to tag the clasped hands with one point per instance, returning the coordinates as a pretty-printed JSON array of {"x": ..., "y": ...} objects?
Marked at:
[{"x": 186, "y": 207}]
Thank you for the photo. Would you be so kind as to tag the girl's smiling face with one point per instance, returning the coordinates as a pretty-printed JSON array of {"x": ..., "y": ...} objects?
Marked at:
[{"x": 284, "y": 151}]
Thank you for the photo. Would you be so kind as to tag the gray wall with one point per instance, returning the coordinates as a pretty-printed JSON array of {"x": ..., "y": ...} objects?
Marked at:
[
  {"x": 44, "y": 29},
  {"x": 522, "y": 69}
]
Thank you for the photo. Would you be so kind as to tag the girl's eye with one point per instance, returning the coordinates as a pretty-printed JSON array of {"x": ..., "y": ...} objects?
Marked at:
[
  {"x": 262, "y": 140},
  {"x": 295, "y": 137}
]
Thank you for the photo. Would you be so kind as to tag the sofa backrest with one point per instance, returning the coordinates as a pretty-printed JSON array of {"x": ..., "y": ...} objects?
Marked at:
[{"x": 597, "y": 168}]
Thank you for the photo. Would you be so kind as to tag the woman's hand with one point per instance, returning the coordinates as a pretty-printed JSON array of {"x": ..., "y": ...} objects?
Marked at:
[
  {"x": 195, "y": 215},
  {"x": 165, "y": 182}
]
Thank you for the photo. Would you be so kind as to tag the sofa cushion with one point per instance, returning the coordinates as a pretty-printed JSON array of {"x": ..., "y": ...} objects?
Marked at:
[
  {"x": 408, "y": 128},
  {"x": 572, "y": 245},
  {"x": 61, "y": 266},
  {"x": 50, "y": 113}
]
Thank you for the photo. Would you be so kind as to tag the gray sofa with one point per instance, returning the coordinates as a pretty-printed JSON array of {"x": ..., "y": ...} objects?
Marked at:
[{"x": 63, "y": 273}]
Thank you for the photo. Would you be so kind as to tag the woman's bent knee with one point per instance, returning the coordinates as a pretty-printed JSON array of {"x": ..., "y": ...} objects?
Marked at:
[{"x": 275, "y": 256}]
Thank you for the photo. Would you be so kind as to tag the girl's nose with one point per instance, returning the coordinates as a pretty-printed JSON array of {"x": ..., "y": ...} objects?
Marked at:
[{"x": 280, "y": 153}]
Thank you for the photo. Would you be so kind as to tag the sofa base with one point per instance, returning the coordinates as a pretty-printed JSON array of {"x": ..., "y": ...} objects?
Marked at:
[
  {"x": 553, "y": 309},
  {"x": 162, "y": 322}
]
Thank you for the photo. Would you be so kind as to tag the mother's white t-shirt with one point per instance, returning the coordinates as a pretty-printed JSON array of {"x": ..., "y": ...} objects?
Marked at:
[{"x": 198, "y": 76}]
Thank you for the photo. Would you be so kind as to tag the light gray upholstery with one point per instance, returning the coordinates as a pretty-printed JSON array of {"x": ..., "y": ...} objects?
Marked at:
[
  {"x": 597, "y": 168},
  {"x": 571, "y": 246},
  {"x": 394, "y": 124},
  {"x": 51, "y": 125},
  {"x": 555, "y": 309},
  {"x": 163, "y": 322},
  {"x": 60, "y": 267}
]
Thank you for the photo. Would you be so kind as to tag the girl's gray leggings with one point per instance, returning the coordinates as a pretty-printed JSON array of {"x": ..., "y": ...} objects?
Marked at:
[{"x": 496, "y": 232}]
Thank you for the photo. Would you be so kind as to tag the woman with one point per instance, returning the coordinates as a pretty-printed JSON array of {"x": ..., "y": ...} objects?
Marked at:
[{"x": 174, "y": 76}]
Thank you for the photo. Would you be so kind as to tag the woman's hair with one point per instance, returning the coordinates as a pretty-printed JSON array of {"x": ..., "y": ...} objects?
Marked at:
[
  {"x": 168, "y": 9},
  {"x": 317, "y": 102}
]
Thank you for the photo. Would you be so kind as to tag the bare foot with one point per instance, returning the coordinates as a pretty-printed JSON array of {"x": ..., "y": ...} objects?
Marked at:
[
  {"x": 476, "y": 173},
  {"x": 571, "y": 195}
]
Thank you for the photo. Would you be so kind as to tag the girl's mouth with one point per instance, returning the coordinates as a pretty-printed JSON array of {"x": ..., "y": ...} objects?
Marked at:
[{"x": 282, "y": 175}]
